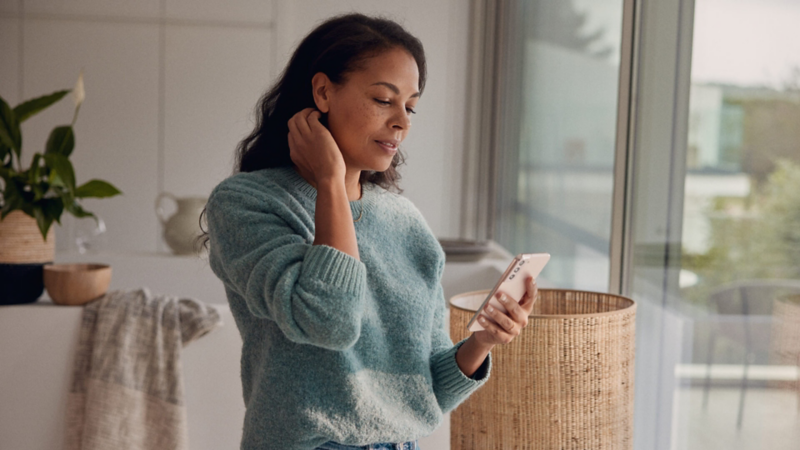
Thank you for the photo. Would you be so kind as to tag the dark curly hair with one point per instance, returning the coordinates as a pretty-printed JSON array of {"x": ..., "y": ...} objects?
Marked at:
[{"x": 337, "y": 47}]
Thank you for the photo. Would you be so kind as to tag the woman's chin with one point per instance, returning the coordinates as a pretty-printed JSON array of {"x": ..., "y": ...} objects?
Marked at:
[{"x": 380, "y": 165}]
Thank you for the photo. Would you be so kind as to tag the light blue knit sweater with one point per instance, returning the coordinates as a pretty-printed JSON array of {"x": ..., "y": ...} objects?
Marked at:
[{"x": 334, "y": 348}]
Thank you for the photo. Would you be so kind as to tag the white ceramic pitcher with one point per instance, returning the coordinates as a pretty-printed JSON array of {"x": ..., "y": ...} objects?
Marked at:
[{"x": 183, "y": 227}]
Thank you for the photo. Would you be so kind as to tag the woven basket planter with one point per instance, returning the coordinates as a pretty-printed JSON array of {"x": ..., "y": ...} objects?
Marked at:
[
  {"x": 23, "y": 253},
  {"x": 566, "y": 382}
]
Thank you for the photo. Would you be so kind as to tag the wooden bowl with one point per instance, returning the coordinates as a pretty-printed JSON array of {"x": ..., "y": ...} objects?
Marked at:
[{"x": 76, "y": 284}]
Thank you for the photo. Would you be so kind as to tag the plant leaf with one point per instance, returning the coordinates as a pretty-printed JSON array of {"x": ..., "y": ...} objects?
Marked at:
[
  {"x": 66, "y": 197},
  {"x": 53, "y": 208},
  {"x": 96, "y": 188},
  {"x": 34, "y": 172},
  {"x": 63, "y": 170},
  {"x": 76, "y": 210},
  {"x": 4, "y": 151},
  {"x": 40, "y": 190},
  {"x": 12, "y": 199},
  {"x": 10, "y": 134},
  {"x": 42, "y": 220},
  {"x": 34, "y": 105},
  {"x": 61, "y": 141}
]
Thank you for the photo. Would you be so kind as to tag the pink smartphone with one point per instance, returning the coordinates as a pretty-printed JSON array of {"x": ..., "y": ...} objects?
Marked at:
[{"x": 512, "y": 283}]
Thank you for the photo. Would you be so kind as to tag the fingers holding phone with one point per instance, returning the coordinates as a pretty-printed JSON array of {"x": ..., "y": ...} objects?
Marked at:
[
  {"x": 505, "y": 326},
  {"x": 312, "y": 147},
  {"x": 531, "y": 293}
]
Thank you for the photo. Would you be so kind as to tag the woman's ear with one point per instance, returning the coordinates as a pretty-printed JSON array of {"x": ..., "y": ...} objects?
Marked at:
[{"x": 322, "y": 87}]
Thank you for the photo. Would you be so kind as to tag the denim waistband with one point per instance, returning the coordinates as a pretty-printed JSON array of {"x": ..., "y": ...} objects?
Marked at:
[{"x": 410, "y": 445}]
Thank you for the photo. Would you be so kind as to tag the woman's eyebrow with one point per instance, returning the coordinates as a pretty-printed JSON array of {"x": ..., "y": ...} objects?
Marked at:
[{"x": 393, "y": 88}]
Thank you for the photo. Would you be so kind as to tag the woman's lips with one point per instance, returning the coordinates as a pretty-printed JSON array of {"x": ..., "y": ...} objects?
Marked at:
[{"x": 388, "y": 147}]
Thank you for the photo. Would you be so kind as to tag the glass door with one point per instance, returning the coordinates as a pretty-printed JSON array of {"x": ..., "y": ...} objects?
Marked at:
[
  {"x": 558, "y": 89},
  {"x": 714, "y": 229}
]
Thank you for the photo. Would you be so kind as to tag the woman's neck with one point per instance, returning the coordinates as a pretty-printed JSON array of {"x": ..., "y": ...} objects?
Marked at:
[{"x": 351, "y": 182}]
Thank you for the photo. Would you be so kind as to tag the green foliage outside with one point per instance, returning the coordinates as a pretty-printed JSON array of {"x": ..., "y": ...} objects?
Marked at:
[{"x": 753, "y": 238}]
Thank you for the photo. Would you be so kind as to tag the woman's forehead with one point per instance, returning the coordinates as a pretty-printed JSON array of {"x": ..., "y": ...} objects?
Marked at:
[{"x": 395, "y": 70}]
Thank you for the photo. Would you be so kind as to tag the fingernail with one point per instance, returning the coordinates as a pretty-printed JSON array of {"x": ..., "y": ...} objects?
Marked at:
[
  {"x": 503, "y": 298},
  {"x": 482, "y": 319},
  {"x": 490, "y": 309}
]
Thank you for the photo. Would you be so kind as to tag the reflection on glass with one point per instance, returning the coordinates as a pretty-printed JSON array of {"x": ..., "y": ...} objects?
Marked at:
[
  {"x": 741, "y": 228},
  {"x": 90, "y": 235},
  {"x": 556, "y": 178}
]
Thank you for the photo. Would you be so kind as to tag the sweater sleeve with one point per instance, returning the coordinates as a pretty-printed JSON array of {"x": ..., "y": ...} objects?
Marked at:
[
  {"x": 314, "y": 293},
  {"x": 450, "y": 385}
]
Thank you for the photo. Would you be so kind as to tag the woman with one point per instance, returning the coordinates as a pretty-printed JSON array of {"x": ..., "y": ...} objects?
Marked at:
[{"x": 333, "y": 280}]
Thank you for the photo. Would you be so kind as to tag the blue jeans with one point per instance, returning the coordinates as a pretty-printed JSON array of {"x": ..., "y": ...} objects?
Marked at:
[{"x": 410, "y": 445}]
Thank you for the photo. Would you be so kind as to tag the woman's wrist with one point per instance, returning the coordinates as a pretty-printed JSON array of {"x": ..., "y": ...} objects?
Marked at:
[
  {"x": 333, "y": 219},
  {"x": 471, "y": 355}
]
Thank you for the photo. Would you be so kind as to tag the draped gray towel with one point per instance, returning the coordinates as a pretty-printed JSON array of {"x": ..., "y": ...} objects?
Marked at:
[{"x": 127, "y": 385}]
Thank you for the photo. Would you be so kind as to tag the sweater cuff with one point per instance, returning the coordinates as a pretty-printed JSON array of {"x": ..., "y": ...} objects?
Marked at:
[
  {"x": 452, "y": 379},
  {"x": 335, "y": 268}
]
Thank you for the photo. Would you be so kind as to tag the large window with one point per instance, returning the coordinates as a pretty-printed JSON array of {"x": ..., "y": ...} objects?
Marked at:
[
  {"x": 558, "y": 103},
  {"x": 653, "y": 148},
  {"x": 727, "y": 300}
]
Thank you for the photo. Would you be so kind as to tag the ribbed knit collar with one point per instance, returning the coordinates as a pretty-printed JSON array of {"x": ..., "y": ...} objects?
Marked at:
[{"x": 368, "y": 192}]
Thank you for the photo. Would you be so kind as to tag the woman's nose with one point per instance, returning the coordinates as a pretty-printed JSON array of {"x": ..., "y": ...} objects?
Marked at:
[{"x": 401, "y": 121}]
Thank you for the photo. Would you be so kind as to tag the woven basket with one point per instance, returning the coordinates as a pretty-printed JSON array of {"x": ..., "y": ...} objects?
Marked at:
[
  {"x": 566, "y": 382},
  {"x": 21, "y": 241}
]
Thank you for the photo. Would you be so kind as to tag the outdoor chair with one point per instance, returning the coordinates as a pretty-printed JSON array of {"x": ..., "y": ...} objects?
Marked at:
[{"x": 747, "y": 307}]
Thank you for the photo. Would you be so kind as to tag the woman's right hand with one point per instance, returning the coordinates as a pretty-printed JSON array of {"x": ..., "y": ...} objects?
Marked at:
[{"x": 312, "y": 147}]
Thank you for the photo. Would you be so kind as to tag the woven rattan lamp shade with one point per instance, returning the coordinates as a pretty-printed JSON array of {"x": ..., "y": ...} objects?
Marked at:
[{"x": 566, "y": 382}]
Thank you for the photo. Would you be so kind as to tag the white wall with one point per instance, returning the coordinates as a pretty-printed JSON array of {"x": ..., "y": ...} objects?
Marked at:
[{"x": 171, "y": 85}]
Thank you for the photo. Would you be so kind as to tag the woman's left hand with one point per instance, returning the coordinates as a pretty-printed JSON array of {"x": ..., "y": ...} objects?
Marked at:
[{"x": 510, "y": 325}]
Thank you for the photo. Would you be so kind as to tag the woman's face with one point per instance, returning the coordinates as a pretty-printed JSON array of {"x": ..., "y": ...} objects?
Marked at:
[{"x": 370, "y": 113}]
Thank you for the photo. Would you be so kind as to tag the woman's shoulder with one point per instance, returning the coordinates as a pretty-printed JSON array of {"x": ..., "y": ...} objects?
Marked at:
[
  {"x": 261, "y": 189},
  {"x": 264, "y": 182}
]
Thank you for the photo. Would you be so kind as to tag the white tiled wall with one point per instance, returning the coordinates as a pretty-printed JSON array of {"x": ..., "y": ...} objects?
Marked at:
[
  {"x": 110, "y": 10},
  {"x": 210, "y": 95},
  {"x": 10, "y": 6},
  {"x": 9, "y": 51},
  {"x": 117, "y": 128},
  {"x": 171, "y": 86},
  {"x": 257, "y": 11}
]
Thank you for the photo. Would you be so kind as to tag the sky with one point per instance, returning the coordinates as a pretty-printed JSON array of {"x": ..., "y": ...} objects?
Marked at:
[
  {"x": 739, "y": 42},
  {"x": 746, "y": 42}
]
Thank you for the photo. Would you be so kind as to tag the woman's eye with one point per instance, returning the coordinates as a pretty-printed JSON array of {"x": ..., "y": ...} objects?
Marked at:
[{"x": 387, "y": 103}]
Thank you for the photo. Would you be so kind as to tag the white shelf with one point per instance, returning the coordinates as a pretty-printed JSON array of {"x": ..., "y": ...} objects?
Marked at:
[{"x": 162, "y": 273}]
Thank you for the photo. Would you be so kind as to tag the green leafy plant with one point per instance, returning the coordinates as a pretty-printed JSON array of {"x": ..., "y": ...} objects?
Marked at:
[
  {"x": 45, "y": 189},
  {"x": 751, "y": 238}
]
